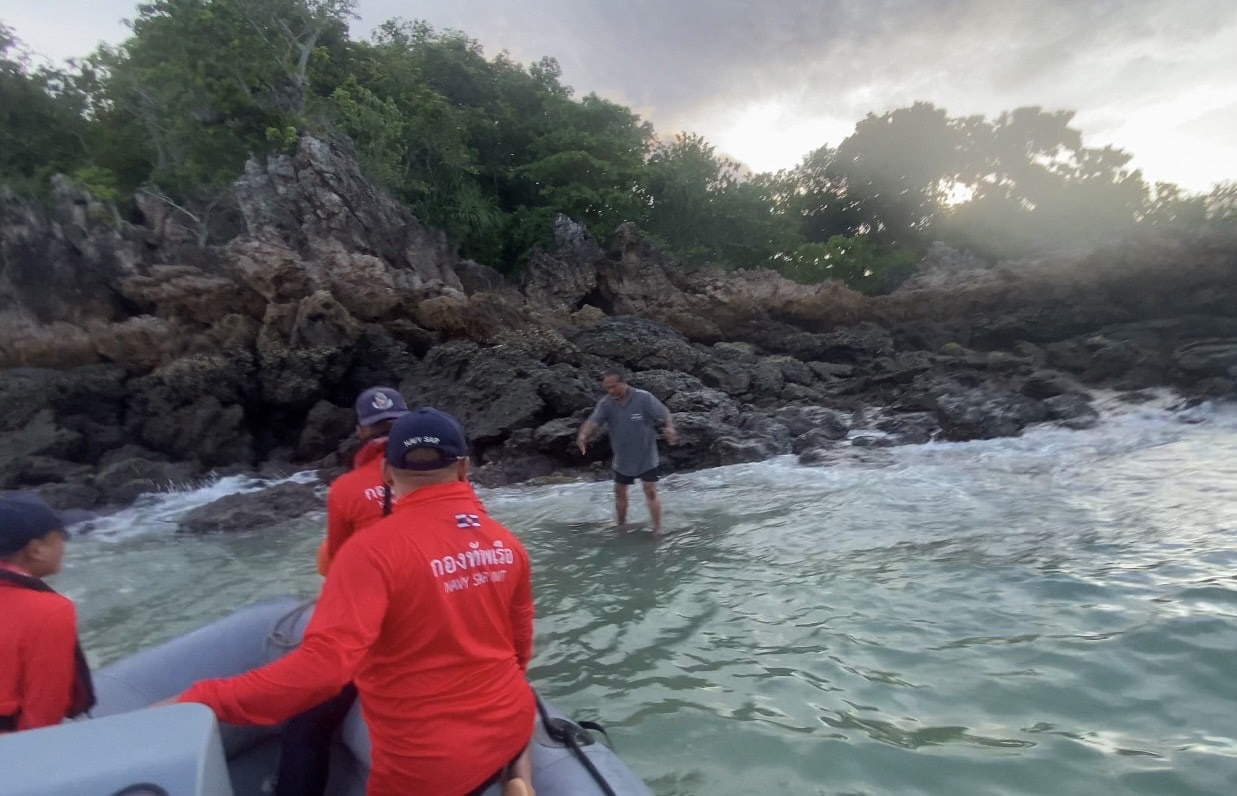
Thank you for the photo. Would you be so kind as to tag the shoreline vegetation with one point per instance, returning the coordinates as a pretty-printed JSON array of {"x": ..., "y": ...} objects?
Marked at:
[{"x": 214, "y": 235}]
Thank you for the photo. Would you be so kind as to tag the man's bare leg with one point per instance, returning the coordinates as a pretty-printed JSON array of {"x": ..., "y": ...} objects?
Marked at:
[
  {"x": 620, "y": 504},
  {"x": 650, "y": 497}
]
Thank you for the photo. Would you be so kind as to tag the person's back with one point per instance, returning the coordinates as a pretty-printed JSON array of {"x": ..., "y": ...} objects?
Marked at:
[
  {"x": 355, "y": 500},
  {"x": 43, "y": 674},
  {"x": 446, "y": 673},
  {"x": 430, "y": 613}
]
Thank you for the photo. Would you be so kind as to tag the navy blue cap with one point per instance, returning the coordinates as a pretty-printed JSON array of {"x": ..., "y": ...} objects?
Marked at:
[
  {"x": 426, "y": 429},
  {"x": 24, "y": 518},
  {"x": 379, "y": 403}
]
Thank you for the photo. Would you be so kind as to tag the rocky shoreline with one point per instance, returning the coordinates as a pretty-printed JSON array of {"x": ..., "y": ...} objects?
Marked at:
[{"x": 138, "y": 355}]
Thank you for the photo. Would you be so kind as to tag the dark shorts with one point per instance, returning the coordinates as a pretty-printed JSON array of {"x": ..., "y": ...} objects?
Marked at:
[{"x": 649, "y": 477}]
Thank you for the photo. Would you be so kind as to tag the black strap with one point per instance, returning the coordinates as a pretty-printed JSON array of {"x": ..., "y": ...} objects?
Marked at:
[
  {"x": 595, "y": 727},
  {"x": 386, "y": 500},
  {"x": 8, "y": 723},
  {"x": 83, "y": 696},
  {"x": 573, "y": 736}
]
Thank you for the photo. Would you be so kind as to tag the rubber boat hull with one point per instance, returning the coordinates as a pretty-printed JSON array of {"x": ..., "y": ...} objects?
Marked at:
[{"x": 181, "y": 749}]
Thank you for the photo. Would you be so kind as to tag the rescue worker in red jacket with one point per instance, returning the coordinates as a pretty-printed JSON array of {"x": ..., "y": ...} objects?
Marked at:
[
  {"x": 44, "y": 677},
  {"x": 355, "y": 500},
  {"x": 430, "y": 612},
  {"x": 358, "y": 497}
]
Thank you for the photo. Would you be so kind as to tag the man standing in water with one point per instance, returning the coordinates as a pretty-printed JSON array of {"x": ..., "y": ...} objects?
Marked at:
[
  {"x": 631, "y": 415},
  {"x": 430, "y": 612}
]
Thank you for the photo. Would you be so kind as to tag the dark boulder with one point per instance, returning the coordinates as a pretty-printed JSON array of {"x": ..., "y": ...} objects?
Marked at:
[
  {"x": 249, "y": 511},
  {"x": 985, "y": 413}
]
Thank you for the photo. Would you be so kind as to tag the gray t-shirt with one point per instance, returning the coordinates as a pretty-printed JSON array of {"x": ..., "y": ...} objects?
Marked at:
[{"x": 633, "y": 429}]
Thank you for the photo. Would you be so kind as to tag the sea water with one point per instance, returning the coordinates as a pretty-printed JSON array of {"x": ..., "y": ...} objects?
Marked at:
[{"x": 1049, "y": 614}]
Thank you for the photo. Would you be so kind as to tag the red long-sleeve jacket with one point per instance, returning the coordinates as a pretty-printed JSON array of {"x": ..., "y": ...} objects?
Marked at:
[
  {"x": 353, "y": 501},
  {"x": 429, "y": 611},
  {"x": 37, "y": 637}
]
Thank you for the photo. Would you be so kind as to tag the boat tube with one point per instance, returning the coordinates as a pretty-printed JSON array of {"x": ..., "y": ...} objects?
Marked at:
[{"x": 129, "y": 748}]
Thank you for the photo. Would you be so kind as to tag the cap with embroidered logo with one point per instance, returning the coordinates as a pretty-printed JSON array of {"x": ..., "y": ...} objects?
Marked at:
[
  {"x": 426, "y": 429},
  {"x": 379, "y": 403}
]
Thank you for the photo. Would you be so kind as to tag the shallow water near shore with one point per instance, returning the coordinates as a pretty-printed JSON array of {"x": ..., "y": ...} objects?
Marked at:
[{"x": 1055, "y": 613}]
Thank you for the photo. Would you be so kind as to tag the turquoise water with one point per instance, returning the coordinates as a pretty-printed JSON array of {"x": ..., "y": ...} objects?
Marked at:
[{"x": 1050, "y": 614}]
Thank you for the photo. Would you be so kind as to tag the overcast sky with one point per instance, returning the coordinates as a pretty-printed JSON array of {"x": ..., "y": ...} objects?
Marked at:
[{"x": 769, "y": 80}]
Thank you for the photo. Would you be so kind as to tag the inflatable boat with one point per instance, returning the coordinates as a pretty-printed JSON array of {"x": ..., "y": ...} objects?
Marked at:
[{"x": 128, "y": 748}]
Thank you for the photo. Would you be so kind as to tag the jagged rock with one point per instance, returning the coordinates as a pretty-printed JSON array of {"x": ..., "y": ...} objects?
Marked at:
[
  {"x": 566, "y": 391},
  {"x": 220, "y": 350},
  {"x": 206, "y": 431},
  {"x": 814, "y": 456},
  {"x": 377, "y": 358},
  {"x": 1208, "y": 358},
  {"x": 983, "y": 413},
  {"x": 1073, "y": 410},
  {"x": 184, "y": 292},
  {"x": 566, "y": 278},
  {"x": 799, "y": 420},
  {"x": 638, "y": 344},
  {"x": 41, "y": 436},
  {"x": 859, "y": 344},
  {"x": 768, "y": 378},
  {"x": 813, "y": 439},
  {"x": 69, "y": 495},
  {"x": 317, "y": 203},
  {"x": 911, "y": 428},
  {"x": 482, "y": 317},
  {"x": 714, "y": 404},
  {"x": 365, "y": 286},
  {"x": 665, "y": 383},
  {"x": 1044, "y": 384},
  {"x": 301, "y": 346},
  {"x": 733, "y": 450},
  {"x": 272, "y": 270},
  {"x": 250, "y": 510},
  {"x": 326, "y": 426},
  {"x": 557, "y": 437},
  {"x": 830, "y": 371},
  {"x": 122, "y": 478},
  {"x": 478, "y": 278},
  {"x": 869, "y": 440},
  {"x": 492, "y": 390},
  {"x": 728, "y": 367},
  {"x": 61, "y": 264}
]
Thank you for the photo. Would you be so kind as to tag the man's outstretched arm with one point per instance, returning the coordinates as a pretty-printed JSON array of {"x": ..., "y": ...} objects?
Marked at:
[{"x": 586, "y": 433}]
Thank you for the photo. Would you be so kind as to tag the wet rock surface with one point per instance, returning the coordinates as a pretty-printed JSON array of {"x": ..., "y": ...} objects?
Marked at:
[{"x": 159, "y": 358}]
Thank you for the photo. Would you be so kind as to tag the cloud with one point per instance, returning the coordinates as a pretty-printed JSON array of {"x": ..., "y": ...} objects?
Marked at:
[{"x": 769, "y": 81}]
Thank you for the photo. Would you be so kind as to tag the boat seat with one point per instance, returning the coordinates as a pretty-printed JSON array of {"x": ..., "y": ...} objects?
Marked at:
[{"x": 163, "y": 751}]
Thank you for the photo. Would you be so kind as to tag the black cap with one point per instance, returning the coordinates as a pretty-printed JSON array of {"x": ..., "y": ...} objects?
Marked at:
[{"x": 24, "y": 518}]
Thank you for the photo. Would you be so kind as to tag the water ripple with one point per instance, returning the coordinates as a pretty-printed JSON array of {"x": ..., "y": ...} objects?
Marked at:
[{"x": 1052, "y": 613}]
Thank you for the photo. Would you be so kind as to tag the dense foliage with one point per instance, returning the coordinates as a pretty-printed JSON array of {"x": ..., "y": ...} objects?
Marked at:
[{"x": 491, "y": 150}]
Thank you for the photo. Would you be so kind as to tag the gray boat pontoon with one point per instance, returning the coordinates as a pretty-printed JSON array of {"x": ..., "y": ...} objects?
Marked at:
[{"x": 133, "y": 749}]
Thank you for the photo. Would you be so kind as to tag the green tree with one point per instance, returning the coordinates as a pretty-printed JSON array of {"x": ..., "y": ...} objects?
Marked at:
[
  {"x": 705, "y": 209},
  {"x": 211, "y": 82},
  {"x": 42, "y": 129}
]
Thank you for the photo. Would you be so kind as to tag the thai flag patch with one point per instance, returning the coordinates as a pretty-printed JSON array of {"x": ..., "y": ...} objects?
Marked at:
[{"x": 466, "y": 521}]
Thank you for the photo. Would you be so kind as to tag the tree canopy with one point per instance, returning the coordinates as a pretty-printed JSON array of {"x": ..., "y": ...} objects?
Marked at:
[{"x": 491, "y": 150}]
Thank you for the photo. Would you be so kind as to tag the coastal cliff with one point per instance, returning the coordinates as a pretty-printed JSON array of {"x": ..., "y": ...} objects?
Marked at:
[{"x": 138, "y": 355}]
